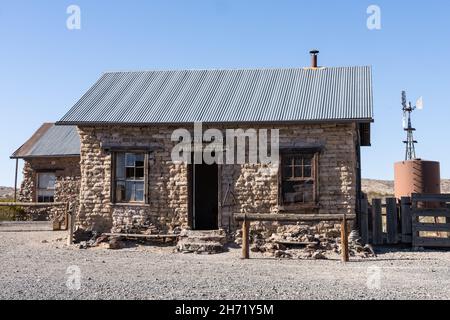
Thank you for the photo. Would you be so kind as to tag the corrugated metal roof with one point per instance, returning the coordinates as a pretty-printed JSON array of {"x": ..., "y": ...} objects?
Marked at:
[
  {"x": 218, "y": 96},
  {"x": 51, "y": 141}
]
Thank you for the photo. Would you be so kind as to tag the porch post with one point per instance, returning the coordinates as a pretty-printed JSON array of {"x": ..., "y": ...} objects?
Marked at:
[{"x": 15, "y": 180}]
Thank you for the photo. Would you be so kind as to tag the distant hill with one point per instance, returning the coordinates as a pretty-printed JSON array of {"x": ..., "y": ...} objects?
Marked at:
[
  {"x": 385, "y": 188},
  {"x": 6, "y": 193}
]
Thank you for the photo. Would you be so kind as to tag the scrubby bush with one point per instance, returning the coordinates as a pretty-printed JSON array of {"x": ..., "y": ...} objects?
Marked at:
[{"x": 10, "y": 213}]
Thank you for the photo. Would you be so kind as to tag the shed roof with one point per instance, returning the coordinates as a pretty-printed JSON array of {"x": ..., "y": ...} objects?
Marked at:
[
  {"x": 50, "y": 141},
  {"x": 227, "y": 96}
]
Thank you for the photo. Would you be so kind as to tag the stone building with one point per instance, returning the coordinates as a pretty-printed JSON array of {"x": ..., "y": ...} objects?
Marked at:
[
  {"x": 131, "y": 183},
  {"x": 51, "y": 171}
]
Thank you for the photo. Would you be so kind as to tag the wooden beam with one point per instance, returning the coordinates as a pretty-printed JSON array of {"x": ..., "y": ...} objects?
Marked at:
[
  {"x": 145, "y": 236},
  {"x": 70, "y": 221},
  {"x": 438, "y": 212},
  {"x": 377, "y": 222},
  {"x": 391, "y": 220},
  {"x": 292, "y": 217},
  {"x": 344, "y": 241},
  {"x": 246, "y": 239},
  {"x": 432, "y": 227},
  {"x": 430, "y": 198},
  {"x": 32, "y": 204},
  {"x": 364, "y": 221},
  {"x": 15, "y": 180},
  {"x": 406, "y": 219}
]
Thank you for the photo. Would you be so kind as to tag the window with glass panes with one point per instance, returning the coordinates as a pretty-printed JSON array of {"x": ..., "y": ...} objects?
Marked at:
[
  {"x": 129, "y": 177},
  {"x": 46, "y": 187},
  {"x": 298, "y": 179}
]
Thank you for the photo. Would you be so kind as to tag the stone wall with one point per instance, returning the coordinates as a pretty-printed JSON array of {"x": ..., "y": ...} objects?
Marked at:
[
  {"x": 251, "y": 188},
  {"x": 67, "y": 186}
]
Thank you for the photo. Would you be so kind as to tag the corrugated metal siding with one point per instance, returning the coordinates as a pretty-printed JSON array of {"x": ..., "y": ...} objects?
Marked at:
[
  {"x": 56, "y": 141},
  {"x": 215, "y": 96}
]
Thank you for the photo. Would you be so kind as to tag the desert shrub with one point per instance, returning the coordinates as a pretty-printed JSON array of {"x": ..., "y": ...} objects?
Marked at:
[{"x": 10, "y": 213}]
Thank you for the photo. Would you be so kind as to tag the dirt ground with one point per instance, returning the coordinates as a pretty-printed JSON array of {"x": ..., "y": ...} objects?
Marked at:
[{"x": 39, "y": 265}]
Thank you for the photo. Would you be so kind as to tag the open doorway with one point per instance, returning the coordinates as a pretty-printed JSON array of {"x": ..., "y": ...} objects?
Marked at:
[{"x": 203, "y": 196}]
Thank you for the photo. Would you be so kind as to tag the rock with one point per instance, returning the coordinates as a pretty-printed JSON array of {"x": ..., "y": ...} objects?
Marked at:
[
  {"x": 313, "y": 246},
  {"x": 354, "y": 236},
  {"x": 115, "y": 244},
  {"x": 319, "y": 256},
  {"x": 368, "y": 248},
  {"x": 81, "y": 235},
  {"x": 100, "y": 240},
  {"x": 279, "y": 254},
  {"x": 44, "y": 241},
  {"x": 333, "y": 234},
  {"x": 83, "y": 245}
]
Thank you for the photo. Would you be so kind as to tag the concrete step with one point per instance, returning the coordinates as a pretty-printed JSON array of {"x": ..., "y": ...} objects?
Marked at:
[
  {"x": 202, "y": 241},
  {"x": 206, "y": 236}
]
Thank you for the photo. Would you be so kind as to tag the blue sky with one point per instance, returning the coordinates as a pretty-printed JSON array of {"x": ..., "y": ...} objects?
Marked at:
[{"x": 45, "y": 68}]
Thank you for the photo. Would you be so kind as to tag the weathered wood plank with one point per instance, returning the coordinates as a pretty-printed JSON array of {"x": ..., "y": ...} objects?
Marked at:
[
  {"x": 246, "y": 239},
  {"x": 430, "y": 198},
  {"x": 377, "y": 222},
  {"x": 32, "y": 204},
  {"x": 292, "y": 217},
  {"x": 438, "y": 212},
  {"x": 432, "y": 227},
  {"x": 392, "y": 220},
  {"x": 344, "y": 241},
  {"x": 147, "y": 236},
  {"x": 406, "y": 218},
  {"x": 432, "y": 242},
  {"x": 364, "y": 221},
  {"x": 294, "y": 243}
]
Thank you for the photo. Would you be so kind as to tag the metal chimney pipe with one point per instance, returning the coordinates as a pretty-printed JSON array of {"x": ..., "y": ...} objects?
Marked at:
[{"x": 314, "y": 54}]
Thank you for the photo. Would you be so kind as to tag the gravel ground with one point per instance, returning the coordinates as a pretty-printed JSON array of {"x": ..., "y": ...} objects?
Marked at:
[{"x": 34, "y": 266}]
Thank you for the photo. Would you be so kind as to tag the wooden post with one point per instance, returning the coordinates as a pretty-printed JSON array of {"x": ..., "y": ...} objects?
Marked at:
[
  {"x": 15, "y": 181},
  {"x": 70, "y": 220},
  {"x": 392, "y": 220},
  {"x": 406, "y": 219},
  {"x": 377, "y": 222},
  {"x": 364, "y": 221},
  {"x": 246, "y": 239},
  {"x": 344, "y": 241}
]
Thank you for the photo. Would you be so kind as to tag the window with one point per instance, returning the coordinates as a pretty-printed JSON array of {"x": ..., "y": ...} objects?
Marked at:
[
  {"x": 130, "y": 177},
  {"x": 46, "y": 187},
  {"x": 298, "y": 181}
]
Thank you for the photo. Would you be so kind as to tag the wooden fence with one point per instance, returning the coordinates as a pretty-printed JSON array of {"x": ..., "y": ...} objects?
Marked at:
[
  {"x": 431, "y": 220},
  {"x": 392, "y": 222}
]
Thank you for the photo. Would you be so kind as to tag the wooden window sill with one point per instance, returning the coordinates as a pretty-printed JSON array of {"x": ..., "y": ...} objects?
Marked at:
[
  {"x": 302, "y": 207},
  {"x": 130, "y": 204}
]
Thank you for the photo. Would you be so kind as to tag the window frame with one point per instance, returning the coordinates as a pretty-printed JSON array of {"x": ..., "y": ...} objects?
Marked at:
[
  {"x": 38, "y": 188},
  {"x": 114, "y": 179},
  {"x": 314, "y": 154}
]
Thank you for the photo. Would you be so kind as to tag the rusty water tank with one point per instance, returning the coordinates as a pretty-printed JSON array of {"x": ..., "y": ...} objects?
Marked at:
[{"x": 417, "y": 176}]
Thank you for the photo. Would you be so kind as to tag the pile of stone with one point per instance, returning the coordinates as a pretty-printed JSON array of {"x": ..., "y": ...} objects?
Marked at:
[{"x": 305, "y": 242}]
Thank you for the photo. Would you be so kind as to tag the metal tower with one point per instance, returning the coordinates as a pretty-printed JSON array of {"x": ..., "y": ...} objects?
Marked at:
[{"x": 407, "y": 126}]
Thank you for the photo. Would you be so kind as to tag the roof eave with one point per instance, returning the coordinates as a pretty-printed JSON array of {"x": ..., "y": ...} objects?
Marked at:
[{"x": 97, "y": 123}]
